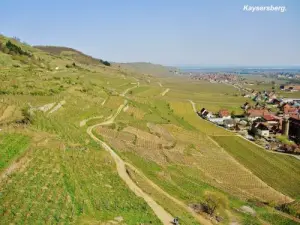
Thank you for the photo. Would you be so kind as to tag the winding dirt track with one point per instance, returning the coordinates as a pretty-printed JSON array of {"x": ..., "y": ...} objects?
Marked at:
[
  {"x": 128, "y": 89},
  {"x": 165, "y": 92},
  {"x": 160, "y": 212}
]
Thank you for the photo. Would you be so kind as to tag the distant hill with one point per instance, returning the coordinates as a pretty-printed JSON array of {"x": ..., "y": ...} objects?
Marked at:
[
  {"x": 147, "y": 68},
  {"x": 73, "y": 54},
  {"x": 14, "y": 52}
]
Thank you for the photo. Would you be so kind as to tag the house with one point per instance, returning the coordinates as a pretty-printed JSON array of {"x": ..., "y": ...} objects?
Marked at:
[
  {"x": 294, "y": 128},
  {"x": 275, "y": 101},
  {"x": 289, "y": 100},
  {"x": 229, "y": 123},
  {"x": 218, "y": 121},
  {"x": 273, "y": 123},
  {"x": 271, "y": 119},
  {"x": 290, "y": 87},
  {"x": 204, "y": 113},
  {"x": 253, "y": 114},
  {"x": 224, "y": 113},
  {"x": 257, "y": 98},
  {"x": 289, "y": 109},
  {"x": 272, "y": 95},
  {"x": 246, "y": 106},
  {"x": 261, "y": 129}
]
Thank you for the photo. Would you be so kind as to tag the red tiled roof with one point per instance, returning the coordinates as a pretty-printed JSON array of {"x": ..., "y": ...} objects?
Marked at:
[
  {"x": 223, "y": 113},
  {"x": 269, "y": 117},
  {"x": 257, "y": 112},
  {"x": 290, "y": 110}
]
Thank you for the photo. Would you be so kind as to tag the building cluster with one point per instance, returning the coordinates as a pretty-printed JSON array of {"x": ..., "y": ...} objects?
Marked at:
[
  {"x": 262, "y": 96},
  {"x": 216, "y": 77},
  {"x": 290, "y": 88},
  {"x": 276, "y": 127},
  {"x": 287, "y": 75}
]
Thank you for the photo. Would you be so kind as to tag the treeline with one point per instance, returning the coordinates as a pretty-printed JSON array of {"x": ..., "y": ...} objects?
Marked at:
[
  {"x": 12, "y": 49},
  {"x": 106, "y": 63}
]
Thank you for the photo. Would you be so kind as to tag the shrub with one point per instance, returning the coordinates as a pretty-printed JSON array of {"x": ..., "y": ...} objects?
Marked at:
[
  {"x": 213, "y": 201},
  {"x": 27, "y": 116},
  {"x": 106, "y": 63},
  {"x": 15, "y": 49}
]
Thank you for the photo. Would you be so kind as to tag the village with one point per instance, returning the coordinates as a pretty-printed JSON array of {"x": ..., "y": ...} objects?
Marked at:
[{"x": 269, "y": 121}]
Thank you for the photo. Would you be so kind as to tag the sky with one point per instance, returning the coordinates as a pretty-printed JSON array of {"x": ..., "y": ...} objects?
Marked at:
[{"x": 168, "y": 32}]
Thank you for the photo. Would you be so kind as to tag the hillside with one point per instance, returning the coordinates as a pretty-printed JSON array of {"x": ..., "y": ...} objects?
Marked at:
[
  {"x": 72, "y": 54},
  {"x": 147, "y": 68},
  {"x": 84, "y": 143}
]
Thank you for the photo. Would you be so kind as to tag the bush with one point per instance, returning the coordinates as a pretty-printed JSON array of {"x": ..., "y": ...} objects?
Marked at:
[
  {"x": 27, "y": 116},
  {"x": 106, "y": 63},
  {"x": 213, "y": 201},
  {"x": 15, "y": 49}
]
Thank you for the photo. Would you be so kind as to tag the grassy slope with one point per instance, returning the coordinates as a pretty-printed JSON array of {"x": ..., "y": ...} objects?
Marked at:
[
  {"x": 177, "y": 178},
  {"x": 65, "y": 153},
  {"x": 11, "y": 146},
  {"x": 280, "y": 172},
  {"x": 70, "y": 53},
  {"x": 146, "y": 68},
  {"x": 64, "y": 178}
]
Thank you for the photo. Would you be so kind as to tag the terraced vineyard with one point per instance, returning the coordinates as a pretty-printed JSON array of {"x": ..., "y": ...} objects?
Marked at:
[
  {"x": 11, "y": 147},
  {"x": 52, "y": 172},
  {"x": 280, "y": 172},
  {"x": 214, "y": 165},
  {"x": 68, "y": 185}
]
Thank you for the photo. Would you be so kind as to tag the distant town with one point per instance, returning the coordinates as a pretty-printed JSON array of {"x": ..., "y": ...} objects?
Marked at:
[{"x": 269, "y": 119}]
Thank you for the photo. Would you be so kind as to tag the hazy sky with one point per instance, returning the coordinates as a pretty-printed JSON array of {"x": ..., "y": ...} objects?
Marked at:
[{"x": 170, "y": 32}]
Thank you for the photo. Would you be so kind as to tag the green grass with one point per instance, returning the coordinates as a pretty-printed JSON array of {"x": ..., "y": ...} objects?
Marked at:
[
  {"x": 62, "y": 186},
  {"x": 12, "y": 146},
  {"x": 68, "y": 179},
  {"x": 185, "y": 111},
  {"x": 277, "y": 219},
  {"x": 279, "y": 171},
  {"x": 169, "y": 205}
]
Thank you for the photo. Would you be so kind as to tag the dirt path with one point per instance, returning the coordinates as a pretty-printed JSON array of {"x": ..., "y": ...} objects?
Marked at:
[
  {"x": 197, "y": 216},
  {"x": 165, "y": 92},
  {"x": 57, "y": 107},
  {"x": 7, "y": 112},
  {"x": 128, "y": 89},
  {"x": 104, "y": 101},
  {"x": 163, "y": 215},
  {"x": 193, "y": 105},
  {"x": 83, "y": 122}
]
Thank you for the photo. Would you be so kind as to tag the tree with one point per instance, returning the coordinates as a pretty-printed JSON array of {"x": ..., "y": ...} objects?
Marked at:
[
  {"x": 27, "y": 116},
  {"x": 213, "y": 201},
  {"x": 233, "y": 113},
  {"x": 106, "y": 63}
]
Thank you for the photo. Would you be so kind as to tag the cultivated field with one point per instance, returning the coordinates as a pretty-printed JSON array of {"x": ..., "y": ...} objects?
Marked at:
[
  {"x": 61, "y": 176},
  {"x": 278, "y": 171}
]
